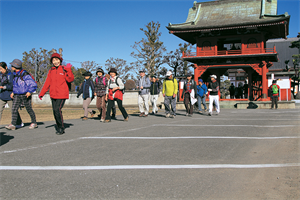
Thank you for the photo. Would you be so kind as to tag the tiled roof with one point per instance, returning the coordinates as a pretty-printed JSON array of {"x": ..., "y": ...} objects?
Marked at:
[{"x": 227, "y": 13}]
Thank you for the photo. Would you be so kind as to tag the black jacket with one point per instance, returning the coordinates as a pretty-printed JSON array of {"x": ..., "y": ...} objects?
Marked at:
[{"x": 193, "y": 86}]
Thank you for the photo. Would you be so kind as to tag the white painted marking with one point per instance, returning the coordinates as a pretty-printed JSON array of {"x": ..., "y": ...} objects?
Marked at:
[
  {"x": 243, "y": 119},
  {"x": 191, "y": 137},
  {"x": 131, "y": 167},
  {"x": 226, "y": 125}
]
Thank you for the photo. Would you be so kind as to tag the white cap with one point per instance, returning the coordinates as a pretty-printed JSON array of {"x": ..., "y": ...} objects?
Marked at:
[
  {"x": 169, "y": 73},
  {"x": 213, "y": 76}
]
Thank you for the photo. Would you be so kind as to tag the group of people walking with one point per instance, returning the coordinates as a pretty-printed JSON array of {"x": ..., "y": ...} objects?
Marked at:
[{"x": 17, "y": 86}]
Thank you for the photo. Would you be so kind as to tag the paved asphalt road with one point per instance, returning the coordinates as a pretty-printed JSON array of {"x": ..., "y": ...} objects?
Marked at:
[{"x": 238, "y": 154}]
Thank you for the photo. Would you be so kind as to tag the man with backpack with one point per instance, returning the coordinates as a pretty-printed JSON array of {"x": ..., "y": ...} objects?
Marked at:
[
  {"x": 23, "y": 86},
  {"x": 143, "y": 85},
  {"x": 169, "y": 91},
  {"x": 275, "y": 93}
]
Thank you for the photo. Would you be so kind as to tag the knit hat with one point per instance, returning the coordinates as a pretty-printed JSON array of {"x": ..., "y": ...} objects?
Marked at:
[
  {"x": 169, "y": 73},
  {"x": 113, "y": 70},
  {"x": 56, "y": 55},
  {"x": 100, "y": 70},
  {"x": 200, "y": 80},
  {"x": 87, "y": 73},
  {"x": 16, "y": 63}
]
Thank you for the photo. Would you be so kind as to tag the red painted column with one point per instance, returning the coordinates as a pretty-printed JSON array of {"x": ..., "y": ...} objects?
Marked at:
[
  {"x": 264, "y": 81},
  {"x": 196, "y": 73}
]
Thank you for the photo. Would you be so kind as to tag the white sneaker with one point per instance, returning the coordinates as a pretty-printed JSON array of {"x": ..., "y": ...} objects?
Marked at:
[
  {"x": 172, "y": 116},
  {"x": 33, "y": 126},
  {"x": 167, "y": 115}
]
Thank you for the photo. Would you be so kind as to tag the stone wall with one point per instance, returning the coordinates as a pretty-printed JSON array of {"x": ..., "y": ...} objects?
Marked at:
[{"x": 130, "y": 98}]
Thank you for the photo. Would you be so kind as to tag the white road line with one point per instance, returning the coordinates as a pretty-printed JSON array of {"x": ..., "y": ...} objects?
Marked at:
[
  {"x": 132, "y": 167},
  {"x": 191, "y": 137},
  {"x": 257, "y": 119},
  {"x": 226, "y": 125}
]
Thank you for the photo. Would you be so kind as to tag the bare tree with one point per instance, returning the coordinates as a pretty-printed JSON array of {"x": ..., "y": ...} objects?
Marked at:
[
  {"x": 174, "y": 60},
  {"x": 37, "y": 63},
  {"x": 124, "y": 70},
  {"x": 90, "y": 66},
  {"x": 149, "y": 51}
]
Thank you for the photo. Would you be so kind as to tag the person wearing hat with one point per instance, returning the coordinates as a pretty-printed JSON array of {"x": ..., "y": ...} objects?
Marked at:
[
  {"x": 189, "y": 91},
  {"x": 154, "y": 92},
  {"x": 169, "y": 91},
  {"x": 275, "y": 93},
  {"x": 100, "y": 89},
  {"x": 6, "y": 88},
  {"x": 213, "y": 88},
  {"x": 87, "y": 90},
  {"x": 201, "y": 95},
  {"x": 114, "y": 92},
  {"x": 23, "y": 86},
  {"x": 143, "y": 85},
  {"x": 57, "y": 82}
]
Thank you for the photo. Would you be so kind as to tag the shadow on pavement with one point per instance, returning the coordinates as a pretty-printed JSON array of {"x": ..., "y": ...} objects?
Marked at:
[{"x": 5, "y": 138}]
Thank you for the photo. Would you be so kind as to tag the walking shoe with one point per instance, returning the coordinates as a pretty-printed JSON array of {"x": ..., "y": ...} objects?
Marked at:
[
  {"x": 20, "y": 125},
  {"x": 209, "y": 114},
  {"x": 107, "y": 121},
  {"x": 200, "y": 112},
  {"x": 167, "y": 115},
  {"x": 217, "y": 113},
  {"x": 101, "y": 120},
  {"x": 33, "y": 126},
  {"x": 145, "y": 116},
  {"x": 93, "y": 113},
  {"x": 141, "y": 115},
  {"x": 186, "y": 114},
  {"x": 206, "y": 110},
  {"x": 190, "y": 115},
  {"x": 113, "y": 117},
  {"x": 172, "y": 116},
  {"x": 10, "y": 127},
  {"x": 127, "y": 118},
  {"x": 84, "y": 118},
  {"x": 60, "y": 131}
]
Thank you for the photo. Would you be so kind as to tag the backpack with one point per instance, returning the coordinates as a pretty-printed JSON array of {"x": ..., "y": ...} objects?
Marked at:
[
  {"x": 123, "y": 90},
  {"x": 274, "y": 89},
  {"x": 103, "y": 80},
  {"x": 24, "y": 73}
]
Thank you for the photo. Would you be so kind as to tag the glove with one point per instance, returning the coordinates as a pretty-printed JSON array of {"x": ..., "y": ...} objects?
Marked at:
[
  {"x": 40, "y": 97},
  {"x": 68, "y": 66}
]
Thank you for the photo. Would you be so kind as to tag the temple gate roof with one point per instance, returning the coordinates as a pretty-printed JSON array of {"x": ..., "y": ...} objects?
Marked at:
[{"x": 232, "y": 14}]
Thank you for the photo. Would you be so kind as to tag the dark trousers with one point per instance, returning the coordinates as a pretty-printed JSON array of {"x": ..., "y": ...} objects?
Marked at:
[
  {"x": 17, "y": 102},
  {"x": 111, "y": 104},
  {"x": 188, "y": 104},
  {"x": 57, "y": 105},
  {"x": 275, "y": 101}
]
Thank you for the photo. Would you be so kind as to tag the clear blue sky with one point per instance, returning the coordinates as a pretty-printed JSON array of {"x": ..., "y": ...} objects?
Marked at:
[{"x": 96, "y": 30}]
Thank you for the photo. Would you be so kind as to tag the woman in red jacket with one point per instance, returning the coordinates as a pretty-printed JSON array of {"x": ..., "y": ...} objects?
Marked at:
[{"x": 57, "y": 82}]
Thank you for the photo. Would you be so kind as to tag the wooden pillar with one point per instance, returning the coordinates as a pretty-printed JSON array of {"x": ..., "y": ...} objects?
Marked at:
[
  {"x": 264, "y": 81},
  {"x": 250, "y": 86},
  {"x": 196, "y": 73}
]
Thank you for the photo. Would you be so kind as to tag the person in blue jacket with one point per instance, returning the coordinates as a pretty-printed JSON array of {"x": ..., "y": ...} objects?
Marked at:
[
  {"x": 201, "y": 95},
  {"x": 6, "y": 88},
  {"x": 87, "y": 90},
  {"x": 23, "y": 87}
]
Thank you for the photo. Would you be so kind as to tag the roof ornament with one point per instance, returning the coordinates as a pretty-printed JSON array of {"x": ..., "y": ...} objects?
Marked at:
[{"x": 194, "y": 5}]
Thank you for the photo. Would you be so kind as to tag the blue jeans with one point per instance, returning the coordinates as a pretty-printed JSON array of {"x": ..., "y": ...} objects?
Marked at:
[{"x": 201, "y": 100}]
